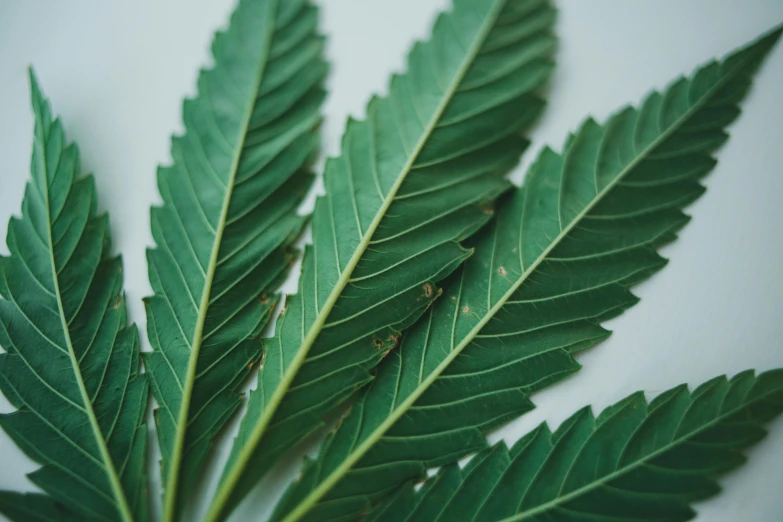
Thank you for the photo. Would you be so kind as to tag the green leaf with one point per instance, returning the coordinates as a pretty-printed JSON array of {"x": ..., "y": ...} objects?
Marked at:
[
  {"x": 636, "y": 461},
  {"x": 228, "y": 219},
  {"x": 71, "y": 366},
  {"x": 32, "y": 507},
  {"x": 414, "y": 179},
  {"x": 556, "y": 262}
]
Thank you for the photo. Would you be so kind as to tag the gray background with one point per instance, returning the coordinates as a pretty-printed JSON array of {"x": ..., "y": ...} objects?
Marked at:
[{"x": 117, "y": 71}]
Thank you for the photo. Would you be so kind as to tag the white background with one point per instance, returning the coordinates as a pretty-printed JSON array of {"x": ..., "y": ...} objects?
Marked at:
[{"x": 117, "y": 71}]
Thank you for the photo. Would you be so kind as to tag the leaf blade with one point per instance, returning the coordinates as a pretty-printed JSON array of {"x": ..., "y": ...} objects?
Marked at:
[
  {"x": 31, "y": 507},
  {"x": 225, "y": 230},
  {"x": 623, "y": 464},
  {"x": 399, "y": 217},
  {"x": 557, "y": 261},
  {"x": 71, "y": 363}
]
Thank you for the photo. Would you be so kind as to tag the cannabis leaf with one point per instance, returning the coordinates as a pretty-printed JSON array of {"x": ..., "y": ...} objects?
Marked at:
[
  {"x": 636, "y": 461},
  {"x": 32, "y": 507},
  {"x": 71, "y": 362},
  {"x": 414, "y": 179},
  {"x": 224, "y": 231},
  {"x": 556, "y": 262}
]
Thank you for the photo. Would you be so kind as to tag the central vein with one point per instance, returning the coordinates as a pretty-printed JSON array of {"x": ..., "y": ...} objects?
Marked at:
[
  {"x": 587, "y": 488},
  {"x": 373, "y": 438},
  {"x": 114, "y": 479},
  {"x": 170, "y": 507},
  {"x": 474, "y": 49}
]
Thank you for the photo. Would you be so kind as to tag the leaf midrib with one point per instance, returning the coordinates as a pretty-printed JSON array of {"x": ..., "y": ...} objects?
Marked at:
[
  {"x": 108, "y": 464},
  {"x": 486, "y": 27},
  {"x": 170, "y": 507},
  {"x": 642, "y": 461},
  {"x": 348, "y": 463},
  {"x": 246, "y": 453}
]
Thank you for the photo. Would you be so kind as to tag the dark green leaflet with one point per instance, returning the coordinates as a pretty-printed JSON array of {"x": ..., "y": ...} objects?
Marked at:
[
  {"x": 414, "y": 179},
  {"x": 32, "y": 507},
  {"x": 636, "y": 461},
  {"x": 228, "y": 219},
  {"x": 71, "y": 363},
  {"x": 557, "y": 261}
]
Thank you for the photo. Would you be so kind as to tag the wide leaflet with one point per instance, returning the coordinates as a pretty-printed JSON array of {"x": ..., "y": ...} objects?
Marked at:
[
  {"x": 224, "y": 232},
  {"x": 71, "y": 362},
  {"x": 557, "y": 261},
  {"x": 415, "y": 177},
  {"x": 634, "y": 462}
]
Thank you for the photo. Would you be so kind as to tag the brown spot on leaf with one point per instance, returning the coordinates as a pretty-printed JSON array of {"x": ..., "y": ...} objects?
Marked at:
[
  {"x": 465, "y": 309},
  {"x": 395, "y": 340},
  {"x": 502, "y": 271},
  {"x": 343, "y": 416},
  {"x": 264, "y": 299},
  {"x": 345, "y": 413},
  {"x": 427, "y": 289},
  {"x": 117, "y": 302},
  {"x": 377, "y": 342}
]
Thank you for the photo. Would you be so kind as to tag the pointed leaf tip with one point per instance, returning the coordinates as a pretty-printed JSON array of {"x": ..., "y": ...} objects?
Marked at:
[
  {"x": 77, "y": 459},
  {"x": 610, "y": 172},
  {"x": 37, "y": 98},
  {"x": 583, "y": 456},
  {"x": 774, "y": 33},
  {"x": 767, "y": 41},
  {"x": 33, "y": 79},
  {"x": 215, "y": 288}
]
